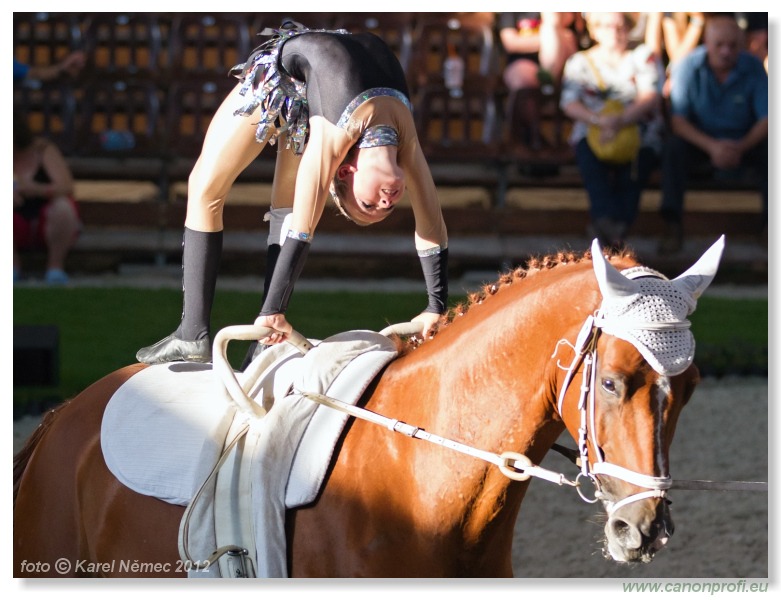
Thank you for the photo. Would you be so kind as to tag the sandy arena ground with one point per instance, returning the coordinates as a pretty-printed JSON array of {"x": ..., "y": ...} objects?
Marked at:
[{"x": 722, "y": 435}]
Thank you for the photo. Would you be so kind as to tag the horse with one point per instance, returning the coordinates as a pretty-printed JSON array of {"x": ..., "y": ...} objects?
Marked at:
[{"x": 558, "y": 344}]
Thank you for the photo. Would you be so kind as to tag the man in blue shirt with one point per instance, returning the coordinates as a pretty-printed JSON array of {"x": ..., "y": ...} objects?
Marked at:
[{"x": 719, "y": 120}]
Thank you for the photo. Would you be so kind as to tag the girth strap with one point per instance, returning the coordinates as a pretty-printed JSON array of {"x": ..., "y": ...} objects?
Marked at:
[{"x": 184, "y": 525}]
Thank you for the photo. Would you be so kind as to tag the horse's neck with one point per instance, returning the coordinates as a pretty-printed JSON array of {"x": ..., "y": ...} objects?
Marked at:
[
  {"x": 486, "y": 381},
  {"x": 491, "y": 373}
]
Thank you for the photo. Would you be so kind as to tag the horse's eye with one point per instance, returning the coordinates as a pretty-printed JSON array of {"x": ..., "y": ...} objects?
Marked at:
[{"x": 609, "y": 385}]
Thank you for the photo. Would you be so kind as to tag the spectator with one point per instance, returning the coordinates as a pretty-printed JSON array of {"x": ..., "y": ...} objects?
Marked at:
[
  {"x": 610, "y": 74},
  {"x": 337, "y": 104},
  {"x": 70, "y": 65},
  {"x": 755, "y": 26},
  {"x": 719, "y": 120},
  {"x": 675, "y": 34},
  {"x": 537, "y": 46},
  {"x": 671, "y": 36},
  {"x": 45, "y": 212}
]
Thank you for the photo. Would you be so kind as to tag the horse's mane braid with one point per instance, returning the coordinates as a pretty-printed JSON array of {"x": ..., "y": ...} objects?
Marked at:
[{"x": 534, "y": 265}]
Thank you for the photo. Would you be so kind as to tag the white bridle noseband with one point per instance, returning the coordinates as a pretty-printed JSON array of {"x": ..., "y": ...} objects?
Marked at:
[{"x": 585, "y": 353}]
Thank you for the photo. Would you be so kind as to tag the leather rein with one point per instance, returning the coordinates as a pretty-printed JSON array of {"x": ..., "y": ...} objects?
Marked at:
[{"x": 513, "y": 465}]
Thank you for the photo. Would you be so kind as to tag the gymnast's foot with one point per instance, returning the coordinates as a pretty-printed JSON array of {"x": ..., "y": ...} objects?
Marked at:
[{"x": 174, "y": 349}]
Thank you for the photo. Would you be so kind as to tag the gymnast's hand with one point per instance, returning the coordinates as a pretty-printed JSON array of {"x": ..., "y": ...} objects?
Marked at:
[
  {"x": 428, "y": 320},
  {"x": 277, "y": 322}
]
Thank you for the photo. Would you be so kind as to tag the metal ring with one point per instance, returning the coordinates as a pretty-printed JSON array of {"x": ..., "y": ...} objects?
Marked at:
[
  {"x": 513, "y": 472},
  {"x": 582, "y": 495}
]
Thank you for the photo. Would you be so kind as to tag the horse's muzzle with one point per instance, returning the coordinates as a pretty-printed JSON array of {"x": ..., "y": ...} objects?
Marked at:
[{"x": 635, "y": 532}]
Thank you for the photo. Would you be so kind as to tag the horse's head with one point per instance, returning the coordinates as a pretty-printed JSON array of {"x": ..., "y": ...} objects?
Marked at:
[{"x": 635, "y": 356}]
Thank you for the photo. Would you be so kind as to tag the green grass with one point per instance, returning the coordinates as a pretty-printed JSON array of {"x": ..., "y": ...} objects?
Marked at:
[
  {"x": 731, "y": 335},
  {"x": 101, "y": 328}
]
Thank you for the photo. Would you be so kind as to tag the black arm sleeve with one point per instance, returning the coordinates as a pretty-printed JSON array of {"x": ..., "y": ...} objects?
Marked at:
[
  {"x": 435, "y": 274},
  {"x": 289, "y": 265}
]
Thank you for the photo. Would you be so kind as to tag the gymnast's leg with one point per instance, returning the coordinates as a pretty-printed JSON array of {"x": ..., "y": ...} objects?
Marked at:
[{"x": 229, "y": 147}]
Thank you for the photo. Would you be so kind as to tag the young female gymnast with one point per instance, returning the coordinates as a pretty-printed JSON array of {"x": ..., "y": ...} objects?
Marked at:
[{"x": 337, "y": 105}]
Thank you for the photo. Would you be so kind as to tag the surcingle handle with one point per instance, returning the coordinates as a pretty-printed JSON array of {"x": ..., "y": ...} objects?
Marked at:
[{"x": 224, "y": 370}]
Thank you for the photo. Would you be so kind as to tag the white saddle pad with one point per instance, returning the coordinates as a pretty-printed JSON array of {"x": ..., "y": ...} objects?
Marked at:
[{"x": 164, "y": 430}]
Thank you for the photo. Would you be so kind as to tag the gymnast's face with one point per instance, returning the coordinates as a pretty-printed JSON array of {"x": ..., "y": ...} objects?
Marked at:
[{"x": 374, "y": 187}]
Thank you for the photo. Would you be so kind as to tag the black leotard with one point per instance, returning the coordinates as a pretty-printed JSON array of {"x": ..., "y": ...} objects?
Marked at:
[{"x": 338, "y": 67}]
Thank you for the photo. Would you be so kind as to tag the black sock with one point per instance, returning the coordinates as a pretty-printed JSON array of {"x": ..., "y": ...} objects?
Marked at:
[
  {"x": 201, "y": 253},
  {"x": 272, "y": 254}
]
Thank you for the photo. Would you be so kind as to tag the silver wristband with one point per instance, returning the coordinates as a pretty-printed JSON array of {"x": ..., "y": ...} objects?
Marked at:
[{"x": 299, "y": 235}]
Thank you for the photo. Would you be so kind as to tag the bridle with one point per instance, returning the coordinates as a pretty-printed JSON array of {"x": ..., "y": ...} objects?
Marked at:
[{"x": 585, "y": 354}]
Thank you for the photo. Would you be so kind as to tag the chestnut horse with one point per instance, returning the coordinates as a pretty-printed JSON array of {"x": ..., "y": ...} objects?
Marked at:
[{"x": 543, "y": 349}]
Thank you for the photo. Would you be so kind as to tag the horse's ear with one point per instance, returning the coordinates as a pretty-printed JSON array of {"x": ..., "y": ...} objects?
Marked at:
[
  {"x": 698, "y": 276},
  {"x": 611, "y": 283}
]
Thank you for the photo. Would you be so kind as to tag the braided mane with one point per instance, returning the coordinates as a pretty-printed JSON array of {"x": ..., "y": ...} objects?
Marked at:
[{"x": 535, "y": 265}]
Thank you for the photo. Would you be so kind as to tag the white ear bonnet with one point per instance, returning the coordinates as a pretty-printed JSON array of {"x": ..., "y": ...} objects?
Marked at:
[{"x": 644, "y": 308}]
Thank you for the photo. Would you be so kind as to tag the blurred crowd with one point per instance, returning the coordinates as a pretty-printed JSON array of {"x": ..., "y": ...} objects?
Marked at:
[
  {"x": 683, "y": 95},
  {"x": 682, "y": 92}
]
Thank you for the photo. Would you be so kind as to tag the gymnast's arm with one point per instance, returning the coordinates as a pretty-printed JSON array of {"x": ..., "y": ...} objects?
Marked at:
[
  {"x": 430, "y": 230},
  {"x": 326, "y": 148}
]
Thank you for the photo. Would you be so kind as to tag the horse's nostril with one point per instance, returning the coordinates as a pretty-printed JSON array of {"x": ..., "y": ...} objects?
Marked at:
[
  {"x": 628, "y": 534},
  {"x": 664, "y": 521},
  {"x": 620, "y": 526}
]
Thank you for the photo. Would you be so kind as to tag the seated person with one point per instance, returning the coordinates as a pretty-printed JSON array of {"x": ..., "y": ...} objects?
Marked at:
[
  {"x": 537, "y": 46},
  {"x": 609, "y": 73},
  {"x": 719, "y": 120},
  {"x": 45, "y": 212},
  {"x": 755, "y": 26},
  {"x": 671, "y": 36}
]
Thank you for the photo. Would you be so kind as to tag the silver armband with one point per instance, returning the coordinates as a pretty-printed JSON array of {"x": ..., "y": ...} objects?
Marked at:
[{"x": 431, "y": 251}]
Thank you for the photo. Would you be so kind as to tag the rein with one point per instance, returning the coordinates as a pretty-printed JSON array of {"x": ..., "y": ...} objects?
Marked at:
[
  {"x": 513, "y": 465},
  {"x": 683, "y": 484}
]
